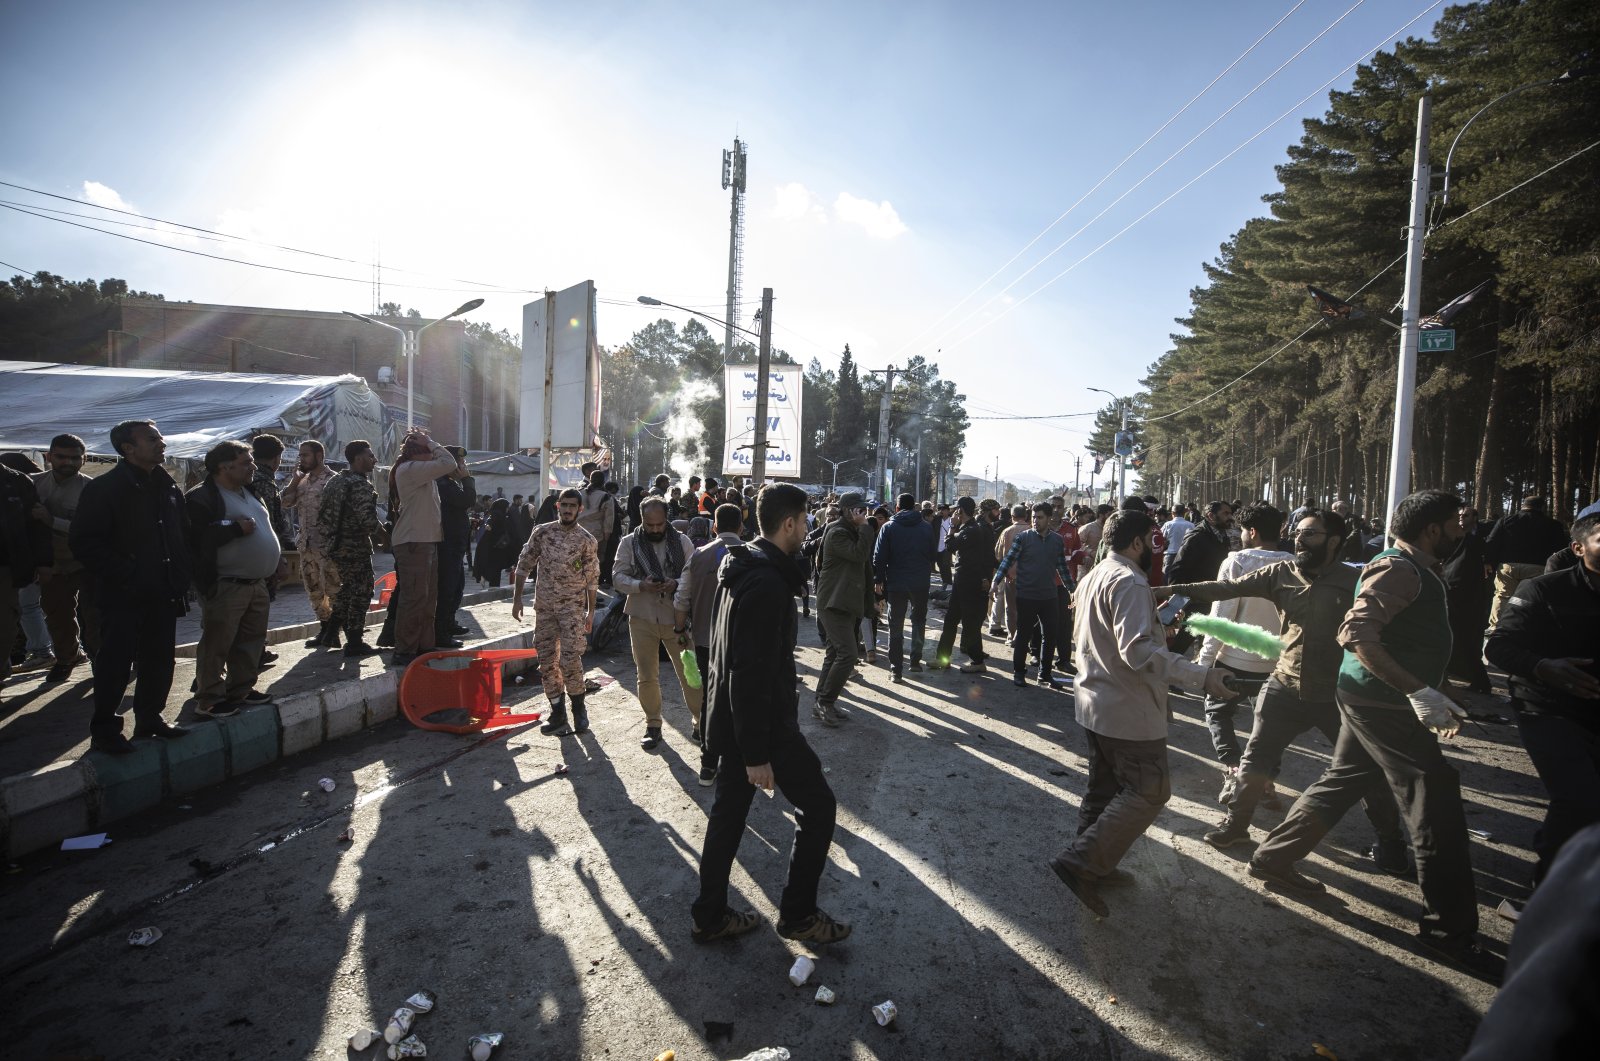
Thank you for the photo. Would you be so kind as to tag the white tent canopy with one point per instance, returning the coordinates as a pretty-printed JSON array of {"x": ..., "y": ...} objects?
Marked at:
[{"x": 194, "y": 410}]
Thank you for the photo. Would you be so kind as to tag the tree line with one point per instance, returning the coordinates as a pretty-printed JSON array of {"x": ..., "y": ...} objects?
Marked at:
[{"x": 1513, "y": 411}]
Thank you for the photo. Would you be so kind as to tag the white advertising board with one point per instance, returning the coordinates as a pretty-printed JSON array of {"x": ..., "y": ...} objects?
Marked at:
[
  {"x": 783, "y": 420},
  {"x": 560, "y": 370}
]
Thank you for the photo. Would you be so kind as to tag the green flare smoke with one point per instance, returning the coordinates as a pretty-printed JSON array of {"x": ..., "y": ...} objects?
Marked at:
[{"x": 1251, "y": 639}]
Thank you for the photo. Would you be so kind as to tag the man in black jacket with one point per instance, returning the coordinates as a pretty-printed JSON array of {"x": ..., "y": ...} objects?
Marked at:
[
  {"x": 1518, "y": 547},
  {"x": 753, "y": 723},
  {"x": 972, "y": 544},
  {"x": 902, "y": 562},
  {"x": 1548, "y": 642},
  {"x": 1205, "y": 547},
  {"x": 130, "y": 531},
  {"x": 25, "y": 549},
  {"x": 457, "y": 494}
]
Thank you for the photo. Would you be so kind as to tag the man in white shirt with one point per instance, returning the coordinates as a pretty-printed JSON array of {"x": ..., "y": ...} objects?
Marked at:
[
  {"x": 1260, "y": 526},
  {"x": 1120, "y": 693}
]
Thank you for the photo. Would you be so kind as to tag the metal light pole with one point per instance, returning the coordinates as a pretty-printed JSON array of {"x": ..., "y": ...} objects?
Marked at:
[
  {"x": 1122, "y": 471},
  {"x": 1077, "y": 467},
  {"x": 1405, "y": 387},
  {"x": 411, "y": 346},
  {"x": 834, "y": 488}
]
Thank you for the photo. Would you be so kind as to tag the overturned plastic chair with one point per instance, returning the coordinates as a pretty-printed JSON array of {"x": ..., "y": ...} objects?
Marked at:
[
  {"x": 468, "y": 679},
  {"x": 385, "y": 585}
]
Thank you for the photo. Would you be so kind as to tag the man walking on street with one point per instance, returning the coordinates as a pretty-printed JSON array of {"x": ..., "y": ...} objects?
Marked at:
[
  {"x": 348, "y": 527},
  {"x": 649, "y": 566},
  {"x": 64, "y": 592},
  {"x": 1003, "y": 620},
  {"x": 753, "y": 724},
  {"x": 318, "y": 571},
  {"x": 973, "y": 548},
  {"x": 1396, "y": 641},
  {"x": 235, "y": 553},
  {"x": 1124, "y": 670},
  {"x": 1517, "y": 549},
  {"x": 565, "y": 562},
  {"x": 1039, "y": 559},
  {"x": 131, "y": 532},
  {"x": 902, "y": 564},
  {"x": 694, "y": 608},
  {"x": 841, "y": 602},
  {"x": 418, "y": 529},
  {"x": 599, "y": 515}
]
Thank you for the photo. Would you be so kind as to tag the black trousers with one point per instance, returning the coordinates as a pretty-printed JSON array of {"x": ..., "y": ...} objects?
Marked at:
[
  {"x": 797, "y": 773},
  {"x": 944, "y": 568},
  {"x": 131, "y": 636},
  {"x": 702, "y": 659},
  {"x": 1469, "y": 614},
  {"x": 1389, "y": 743},
  {"x": 452, "y": 587},
  {"x": 918, "y": 601},
  {"x": 1567, "y": 755},
  {"x": 1033, "y": 613},
  {"x": 1282, "y": 716},
  {"x": 968, "y": 602}
]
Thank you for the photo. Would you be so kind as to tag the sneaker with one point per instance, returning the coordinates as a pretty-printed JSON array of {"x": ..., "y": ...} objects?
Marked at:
[
  {"x": 997, "y": 631},
  {"x": 1391, "y": 857},
  {"x": 1019, "y": 679},
  {"x": 37, "y": 661},
  {"x": 824, "y": 714},
  {"x": 818, "y": 928},
  {"x": 161, "y": 730},
  {"x": 652, "y": 737},
  {"x": 269, "y": 658},
  {"x": 1086, "y": 890},
  {"x": 1287, "y": 877},
  {"x": 708, "y": 776},
  {"x": 1270, "y": 798},
  {"x": 974, "y": 668},
  {"x": 442, "y": 643},
  {"x": 733, "y": 923},
  {"x": 1230, "y": 786},
  {"x": 694, "y": 734},
  {"x": 841, "y": 712},
  {"x": 1229, "y": 834},
  {"x": 916, "y": 665},
  {"x": 220, "y": 709},
  {"x": 1050, "y": 681},
  {"x": 899, "y": 679}
]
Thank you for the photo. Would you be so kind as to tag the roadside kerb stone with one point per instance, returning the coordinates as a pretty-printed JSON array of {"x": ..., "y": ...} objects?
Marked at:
[{"x": 43, "y": 807}]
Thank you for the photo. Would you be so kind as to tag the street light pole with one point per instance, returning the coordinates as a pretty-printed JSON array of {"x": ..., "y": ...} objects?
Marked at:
[
  {"x": 410, "y": 347},
  {"x": 1122, "y": 472},
  {"x": 834, "y": 488},
  {"x": 1406, "y": 373}
]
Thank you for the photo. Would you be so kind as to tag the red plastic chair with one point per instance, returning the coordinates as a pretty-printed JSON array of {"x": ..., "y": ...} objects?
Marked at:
[
  {"x": 473, "y": 684},
  {"x": 385, "y": 587}
]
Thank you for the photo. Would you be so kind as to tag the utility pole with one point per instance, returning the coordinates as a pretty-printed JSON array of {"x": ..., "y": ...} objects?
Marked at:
[
  {"x": 1406, "y": 376},
  {"x": 881, "y": 467},
  {"x": 733, "y": 176},
  {"x": 758, "y": 454}
]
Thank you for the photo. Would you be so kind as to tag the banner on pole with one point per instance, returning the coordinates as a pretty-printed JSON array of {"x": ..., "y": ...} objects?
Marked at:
[{"x": 784, "y": 386}]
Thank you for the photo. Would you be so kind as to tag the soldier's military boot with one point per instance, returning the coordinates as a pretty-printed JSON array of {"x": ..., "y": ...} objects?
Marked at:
[
  {"x": 580, "y": 714},
  {"x": 556, "y": 724}
]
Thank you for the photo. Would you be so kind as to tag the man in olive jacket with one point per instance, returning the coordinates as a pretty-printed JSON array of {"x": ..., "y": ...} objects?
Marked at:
[{"x": 841, "y": 601}]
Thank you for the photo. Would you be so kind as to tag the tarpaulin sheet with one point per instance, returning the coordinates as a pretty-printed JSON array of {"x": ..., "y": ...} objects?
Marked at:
[{"x": 193, "y": 410}]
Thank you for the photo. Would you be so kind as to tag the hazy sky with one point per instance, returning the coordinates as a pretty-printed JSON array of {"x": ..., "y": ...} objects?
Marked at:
[{"x": 901, "y": 155}]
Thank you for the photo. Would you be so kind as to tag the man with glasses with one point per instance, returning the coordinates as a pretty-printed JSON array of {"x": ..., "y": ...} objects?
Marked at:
[{"x": 1311, "y": 592}]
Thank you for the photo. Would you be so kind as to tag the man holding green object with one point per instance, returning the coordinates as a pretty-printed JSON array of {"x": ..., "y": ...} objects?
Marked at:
[
  {"x": 1312, "y": 593},
  {"x": 650, "y": 562}
]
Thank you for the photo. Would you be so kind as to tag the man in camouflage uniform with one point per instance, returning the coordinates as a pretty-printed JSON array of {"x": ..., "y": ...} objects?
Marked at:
[
  {"x": 268, "y": 453},
  {"x": 318, "y": 573},
  {"x": 347, "y": 523},
  {"x": 566, "y": 561}
]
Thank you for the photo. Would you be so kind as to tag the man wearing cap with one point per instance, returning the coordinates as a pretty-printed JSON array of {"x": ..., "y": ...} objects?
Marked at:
[{"x": 842, "y": 561}]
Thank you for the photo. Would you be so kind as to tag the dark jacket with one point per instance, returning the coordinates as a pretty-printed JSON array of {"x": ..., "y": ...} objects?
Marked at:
[
  {"x": 456, "y": 498},
  {"x": 751, "y": 687},
  {"x": 25, "y": 543},
  {"x": 207, "y": 532},
  {"x": 1525, "y": 537},
  {"x": 132, "y": 533},
  {"x": 1554, "y": 616},
  {"x": 842, "y": 567},
  {"x": 1199, "y": 557},
  {"x": 903, "y": 558},
  {"x": 972, "y": 547}
]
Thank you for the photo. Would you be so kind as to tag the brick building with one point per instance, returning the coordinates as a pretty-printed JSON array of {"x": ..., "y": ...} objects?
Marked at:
[{"x": 467, "y": 388}]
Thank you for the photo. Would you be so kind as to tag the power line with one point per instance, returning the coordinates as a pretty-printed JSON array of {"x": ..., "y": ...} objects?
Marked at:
[
  {"x": 257, "y": 265},
  {"x": 1515, "y": 187},
  {"x": 18, "y": 268},
  {"x": 1098, "y": 184},
  {"x": 256, "y": 242},
  {"x": 1194, "y": 180}
]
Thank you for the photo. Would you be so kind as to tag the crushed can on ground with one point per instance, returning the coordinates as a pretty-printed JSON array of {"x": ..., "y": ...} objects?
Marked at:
[
  {"x": 767, "y": 1053},
  {"x": 422, "y": 1001},
  {"x": 825, "y": 995},
  {"x": 326, "y": 784},
  {"x": 410, "y": 1046},
  {"x": 399, "y": 1025}
]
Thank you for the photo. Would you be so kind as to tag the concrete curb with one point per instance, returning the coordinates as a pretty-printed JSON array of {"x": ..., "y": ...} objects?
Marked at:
[
  {"x": 301, "y": 631},
  {"x": 41, "y": 808}
]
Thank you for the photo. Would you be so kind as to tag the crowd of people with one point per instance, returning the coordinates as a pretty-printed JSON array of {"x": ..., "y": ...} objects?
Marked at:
[{"x": 1368, "y": 626}]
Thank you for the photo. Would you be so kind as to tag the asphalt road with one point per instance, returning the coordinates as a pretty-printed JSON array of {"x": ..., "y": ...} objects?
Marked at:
[{"x": 554, "y": 908}]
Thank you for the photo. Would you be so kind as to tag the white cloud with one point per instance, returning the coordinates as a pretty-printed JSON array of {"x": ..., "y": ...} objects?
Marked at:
[
  {"x": 104, "y": 195},
  {"x": 878, "y": 219},
  {"x": 795, "y": 202}
]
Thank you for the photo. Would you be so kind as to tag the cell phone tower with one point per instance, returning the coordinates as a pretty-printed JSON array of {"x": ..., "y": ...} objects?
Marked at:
[{"x": 733, "y": 171}]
